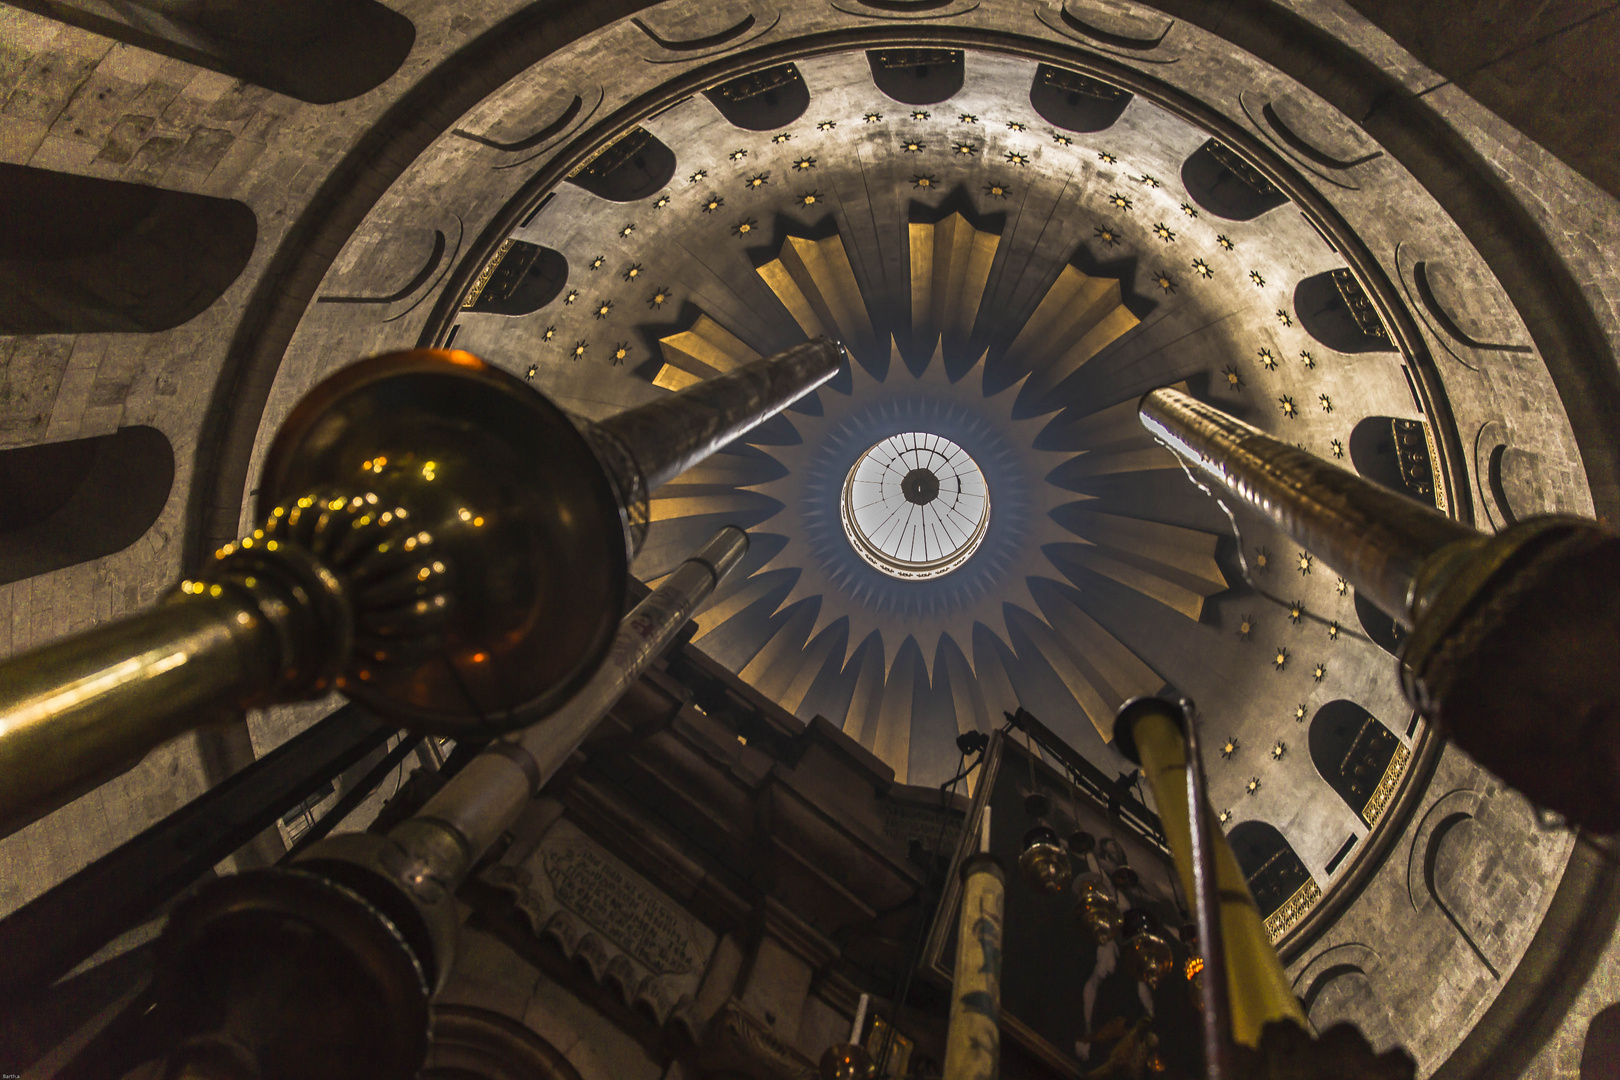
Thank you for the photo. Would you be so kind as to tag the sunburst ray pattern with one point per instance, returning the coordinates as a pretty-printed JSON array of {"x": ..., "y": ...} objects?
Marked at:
[{"x": 905, "y": 666}]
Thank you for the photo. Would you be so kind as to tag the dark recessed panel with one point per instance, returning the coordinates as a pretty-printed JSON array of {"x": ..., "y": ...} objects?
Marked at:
[
  {"x": 917, "y": 76},
  {"x": 1222, "y": 182},
  {"x": 1076, "y": 102},
  {"x": 762, "y": 100}
]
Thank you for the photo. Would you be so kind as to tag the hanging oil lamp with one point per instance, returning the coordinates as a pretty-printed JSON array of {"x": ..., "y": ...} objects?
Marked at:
[
  {"x": 1044, "y": 863},
  {"x": 850, "y": 1060},
  {"x": 1147, "y": 953},
  {"x": 1098, "y": 914},
  {"x": 1194, "y": 968}
]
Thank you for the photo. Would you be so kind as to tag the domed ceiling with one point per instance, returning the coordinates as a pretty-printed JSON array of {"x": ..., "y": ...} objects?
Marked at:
[{"x": 1013, "y": 253}]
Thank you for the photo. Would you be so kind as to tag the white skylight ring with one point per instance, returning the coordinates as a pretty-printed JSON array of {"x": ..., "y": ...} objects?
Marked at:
[{"x": 915, "y": 506}]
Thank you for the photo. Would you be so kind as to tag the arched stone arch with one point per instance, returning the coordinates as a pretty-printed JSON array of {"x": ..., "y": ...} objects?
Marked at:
[
  {"x": 917, "y": 76},
  {"x": 80, "y": 254},
  {"x": 1340, "y": 985},
  {"x": 1076, "y": 102},
  {"x": 522, "y": 278},
  {"x": 1223, "y": 183},
  {"x": 1274, "y": 871},
  {"x": 1395, "y": 453},
  {"x": 762, "y": 100},
  {"x": 632, "y": 168},
  {"x": 1335, "y": 310},
  {"x": 1384, "y": 631},
  {"x": 1358, "y": 756},
  {"x": 65, "y": 503}
]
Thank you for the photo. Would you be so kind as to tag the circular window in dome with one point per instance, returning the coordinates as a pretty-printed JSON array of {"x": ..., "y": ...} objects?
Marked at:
[{"x": 915, "y": 506}]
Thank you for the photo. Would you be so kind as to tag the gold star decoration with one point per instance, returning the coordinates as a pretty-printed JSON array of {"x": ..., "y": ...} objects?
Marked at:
[
  {"x": 997, "y": 191},
  {"x": 1107, "y": 158},
  {"x": 1165, "y": 281},
  {"x": 603, "y": 307},
  {"x": 965, "y": 148},
  {"x": 1107, "y": 236},
  {"x": 713, "y": 203},
  {"x": 573, "y": 294},
  {"x": 1286, "y": 404},
  {"x": 579, "y": 349},
  {"x": 758, "y": 180},
  {"x": 1325, "y": 401},
  {"x": 1319, "y": 672},
  {"x": 632, "y": 271},
  {"x": 809, "y": 198},
  {"x": 1296, "y": 611},
  {"x": 1245, "y": 628},
  {"x": 1120, "y": 201},
  {"x": 1164, "y": 232},
  {"x": 1189, "y": 209},
  {"x": 596, "y": 263},
  {"x": 1262, "y": 559},
  {"x": 780, "y": 137},
  {"x": 1224, "y": 816},
  {"x": 663, "y": 201},
  {"x": 872, "y": 118},
  {"x": 548, "y": 333},
  {"x": 1337, "y": 446},
  {"x": 1062, "y": 140},
  {"x": 1268, "y": 359},
  {"x": 1202, "y": 269},
  {"x": 826, "y": 125},
  {"x": 534, "y": 369},
  {"x": 1255, "y": 276},
  {"x": 1234, "y": 380},
  {"x": 1150, "y": 181},
  {"x": 1225, "y": 242},
  {"x": 1284, "y": 318},
  {"x": 1015, "y": 158},
  {"x": 967, "y": 118},
  {"x": 1281, "y": 659},
  {"x": 922, "y": 181},
  {"x": 659, "y": 298},
  {"x": 1014, "y": 125},
  {"x": 1342, "y": 588},
  {"x": 744, "y": 227},
  {"x": 914, "y": 147},
  {"x": 920, "y": 114},
  {"x": 629, "y": 227},
  {"x": 1307, "y": 359},
  {"x": 738, "y": 155},
  {"x": 805, "y": 163},
  {"x": 1229, "y": 747},
  {"x": 1333, "y": 631},
  {"x": 698, "y": 177},
  {"x": 620, "y": 351},
  {"x": 1252, "y": 786},
  {"x": 1278, "y": 750},
  {"x": 1304, "y": 561},
  {"x": 1299, "y": 713}
]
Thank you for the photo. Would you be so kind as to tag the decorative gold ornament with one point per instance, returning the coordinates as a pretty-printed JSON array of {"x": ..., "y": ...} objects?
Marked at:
[{"x": 1044, "y": 863}]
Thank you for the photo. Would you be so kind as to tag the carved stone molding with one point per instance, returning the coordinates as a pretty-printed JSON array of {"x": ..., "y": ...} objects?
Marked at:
[{"x": 739, "y": 1044}]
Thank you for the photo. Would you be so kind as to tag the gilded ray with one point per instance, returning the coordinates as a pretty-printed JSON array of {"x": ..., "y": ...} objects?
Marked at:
[
  {"x": 1113, "y": 672},
  {"x": 1172, "y": 564},
  {"x": 1077, "y": 318},
  {"x": 950, "y": 265},
  {"x": 892, "y": 741},
  {"x": 705, "y": 350},
  {"x": 816, "y": 283}
]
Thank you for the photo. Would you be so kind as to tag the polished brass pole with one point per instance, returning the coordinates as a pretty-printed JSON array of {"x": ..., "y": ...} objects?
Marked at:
[
  {"x": 1515, "y": 637},
  {"x": 437, "y": 541},
  {"x": 973, "y": 1038},
  {"x": 383, "y": 909},
  {"x": 1241, "y": 961}
]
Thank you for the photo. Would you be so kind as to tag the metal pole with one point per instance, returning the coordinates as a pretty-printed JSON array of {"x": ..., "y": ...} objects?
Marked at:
[
  {"x": 973, "y": 1040},
  {"x": 1217, "y": 1021},
  {"x": 669, "y": 436},
  {"x": 437, "y": 541},
  {"x": 381, "y": 911},
  {"x": 1149, "y": 732},
  {"x": 1506, "y": 629},
  {"x": 1375, "y": 537}
]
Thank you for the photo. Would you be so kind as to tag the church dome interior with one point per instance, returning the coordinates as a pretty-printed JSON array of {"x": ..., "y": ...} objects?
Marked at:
[{"x": 1016, "y": 220}]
